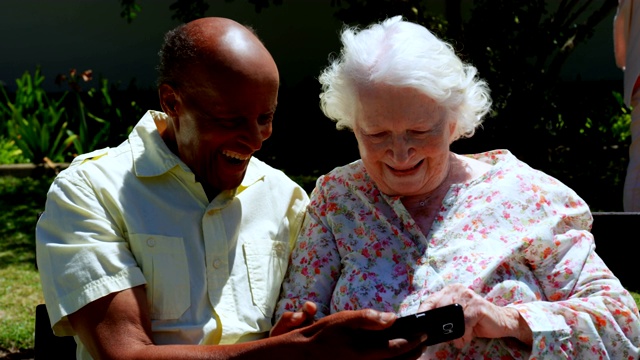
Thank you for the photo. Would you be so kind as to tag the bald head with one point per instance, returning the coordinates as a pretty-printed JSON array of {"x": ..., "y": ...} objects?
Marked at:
[
  {"x": 218, "y": 87},
  {"x": 214, "y": 47}
]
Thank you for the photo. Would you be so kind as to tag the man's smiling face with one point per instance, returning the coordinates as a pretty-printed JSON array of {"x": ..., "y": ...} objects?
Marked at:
[{"x": 222, "y": 122}]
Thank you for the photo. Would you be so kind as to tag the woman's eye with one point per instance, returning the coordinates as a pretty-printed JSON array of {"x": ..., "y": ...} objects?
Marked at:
[
  {"x": 377, "y": 137},
  {"x": 419, "y": 132},
  {"x": 375, "y": 134}
]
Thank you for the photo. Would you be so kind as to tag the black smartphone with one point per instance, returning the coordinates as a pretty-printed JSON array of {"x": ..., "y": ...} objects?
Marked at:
[{"x": 440, "y": 324}]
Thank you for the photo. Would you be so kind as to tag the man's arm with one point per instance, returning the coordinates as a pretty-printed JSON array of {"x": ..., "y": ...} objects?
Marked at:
[{"x": 118, "y": 326}]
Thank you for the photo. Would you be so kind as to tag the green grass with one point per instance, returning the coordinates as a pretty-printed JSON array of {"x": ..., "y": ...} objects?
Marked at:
[
  {"x": 21, "y": 200},
  {"x": 20, "y": 292}
]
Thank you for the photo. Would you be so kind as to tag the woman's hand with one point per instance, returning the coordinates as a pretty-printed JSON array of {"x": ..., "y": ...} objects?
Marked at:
[
  {"x": 482, "y": 318},
  {"x": 295, "y": 320}
]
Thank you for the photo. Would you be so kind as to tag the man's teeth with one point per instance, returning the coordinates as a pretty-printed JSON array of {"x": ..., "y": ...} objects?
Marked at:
[{"x": 236, "y": 155}]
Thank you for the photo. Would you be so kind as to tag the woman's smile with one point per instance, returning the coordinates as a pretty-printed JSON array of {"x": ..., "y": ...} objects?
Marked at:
[{"x": 406, "y": 172}]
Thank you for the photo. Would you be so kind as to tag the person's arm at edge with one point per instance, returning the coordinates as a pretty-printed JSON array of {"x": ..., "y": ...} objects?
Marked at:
[{"x": 621, "y": 32}]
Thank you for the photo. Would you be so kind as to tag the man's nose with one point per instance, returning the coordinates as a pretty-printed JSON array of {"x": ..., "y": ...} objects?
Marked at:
[{"x": 256, "y": 133}]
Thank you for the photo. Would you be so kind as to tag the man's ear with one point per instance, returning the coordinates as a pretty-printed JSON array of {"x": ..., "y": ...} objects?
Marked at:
[{"x": 168, "y": 100}]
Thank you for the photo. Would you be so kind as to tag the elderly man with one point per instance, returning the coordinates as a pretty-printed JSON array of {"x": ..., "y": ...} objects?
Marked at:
[{"x": 173, "y": 245}]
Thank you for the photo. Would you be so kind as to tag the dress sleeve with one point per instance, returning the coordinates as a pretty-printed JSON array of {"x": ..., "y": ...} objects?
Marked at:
[
  {"x": 585, "y": 312},
  {"x": 314, "y": 267}
]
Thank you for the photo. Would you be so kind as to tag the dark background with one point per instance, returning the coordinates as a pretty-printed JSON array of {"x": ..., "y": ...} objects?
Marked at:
[{"x": 554, "y": 129}]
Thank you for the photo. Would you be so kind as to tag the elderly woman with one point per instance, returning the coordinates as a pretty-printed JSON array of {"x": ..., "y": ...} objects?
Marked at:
[{"x": 412, "y": 226}]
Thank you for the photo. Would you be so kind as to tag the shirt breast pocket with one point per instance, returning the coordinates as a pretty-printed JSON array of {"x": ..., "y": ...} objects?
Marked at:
[
  {"x": 163, "y": 261},
  {"x": 266, "y": 265}
]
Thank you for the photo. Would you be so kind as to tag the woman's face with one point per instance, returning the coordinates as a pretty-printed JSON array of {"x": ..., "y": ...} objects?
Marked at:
[{"x": 403, "y": 137}]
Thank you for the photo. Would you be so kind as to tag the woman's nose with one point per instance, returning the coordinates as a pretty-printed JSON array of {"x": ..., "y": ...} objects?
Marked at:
[{"x": 401, "y": 149}]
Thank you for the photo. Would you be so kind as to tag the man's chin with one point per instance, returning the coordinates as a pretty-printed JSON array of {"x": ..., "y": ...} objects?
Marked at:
[{"x": 230, "y": 182}]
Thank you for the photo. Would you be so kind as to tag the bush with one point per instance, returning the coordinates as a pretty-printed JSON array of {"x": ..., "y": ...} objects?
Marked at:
[
  {"x": 59, "y": 126},
  {"x": 10, "y": 153},
  {"x": 35, "y": 123}
]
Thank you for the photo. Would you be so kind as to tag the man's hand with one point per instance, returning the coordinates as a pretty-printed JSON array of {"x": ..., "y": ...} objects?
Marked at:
[
  {"x": 482, "y": 318},
  {"x": 118, "y": 326},
  {"x": 356, "y": 335},
  {"x": 295, "y": 320}
]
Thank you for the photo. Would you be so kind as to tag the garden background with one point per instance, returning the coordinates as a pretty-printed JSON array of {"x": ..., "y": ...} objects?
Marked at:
[{"x": 77, "y": 74}]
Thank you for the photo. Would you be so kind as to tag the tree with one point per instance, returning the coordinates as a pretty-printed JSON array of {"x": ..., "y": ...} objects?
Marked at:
[
  {"x": 571, "y": 130},
  {"x": 519, "y": 46},
  {"x": 185, "y": 10}
]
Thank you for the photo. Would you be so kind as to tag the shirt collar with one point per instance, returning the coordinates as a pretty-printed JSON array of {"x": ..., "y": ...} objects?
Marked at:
[
  {"x": 152, "y": 157},
  {"x": 255, "y": 174}
]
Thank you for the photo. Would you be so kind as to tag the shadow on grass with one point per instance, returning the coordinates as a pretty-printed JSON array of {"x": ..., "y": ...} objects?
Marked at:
[{"x": 21, "y": 200}]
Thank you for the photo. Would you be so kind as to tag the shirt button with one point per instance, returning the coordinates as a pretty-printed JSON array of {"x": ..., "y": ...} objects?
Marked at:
[
  {"x": 151, "y": 242},
  {"x": 216, "y": 263}
]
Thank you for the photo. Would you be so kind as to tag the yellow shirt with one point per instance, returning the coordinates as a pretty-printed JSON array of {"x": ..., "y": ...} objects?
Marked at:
[{"x": 131, "y": 215}]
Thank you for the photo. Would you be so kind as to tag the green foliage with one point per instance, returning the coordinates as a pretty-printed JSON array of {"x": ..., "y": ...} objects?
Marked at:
[
  {"x": 10, "y": 153},
  {"x": 36, "y": 123},
  {"x": 588, "y": 147},
  {"x": 60, "y": 126},
  {"x": 108, "y": 125},
  {"x": 636, "y": 297},
  {"x": 621, "y": 122},
  {"x": 130, "y": 10}
]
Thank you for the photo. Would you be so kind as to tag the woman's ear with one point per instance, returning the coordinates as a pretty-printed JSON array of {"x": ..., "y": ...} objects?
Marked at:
[
  {"x": 452, "y": 127},
  {"x": 168, "y": 100},
  {"x": 452, "y": 122}
]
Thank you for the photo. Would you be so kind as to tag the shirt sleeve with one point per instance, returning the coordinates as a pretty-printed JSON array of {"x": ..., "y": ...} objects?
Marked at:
[
  {"x": 296, "y": 214},
  {"x": 314, "y": 266},
  {"x": 585, "y": 312},
  {"x": 81, "y": 250}
]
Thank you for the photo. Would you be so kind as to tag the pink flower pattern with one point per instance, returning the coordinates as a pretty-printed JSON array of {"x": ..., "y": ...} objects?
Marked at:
[{"x": 516, "y": 236}]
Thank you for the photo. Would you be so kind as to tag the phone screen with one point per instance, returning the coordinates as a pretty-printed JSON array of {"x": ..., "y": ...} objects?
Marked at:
[{"x": 440, "y": 324}]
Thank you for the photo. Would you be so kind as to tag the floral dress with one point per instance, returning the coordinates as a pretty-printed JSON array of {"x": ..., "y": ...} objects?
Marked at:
[{"x": 515, "y": 236}]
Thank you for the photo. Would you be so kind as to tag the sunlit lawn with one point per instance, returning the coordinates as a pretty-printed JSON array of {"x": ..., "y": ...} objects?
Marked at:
[
  {"x": 20, "y": 200},
  {"x": 20, "y": 292}
]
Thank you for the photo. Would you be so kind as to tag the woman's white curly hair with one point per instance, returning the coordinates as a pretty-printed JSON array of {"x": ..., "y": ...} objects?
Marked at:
[{"x": 403, "y": 54}]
